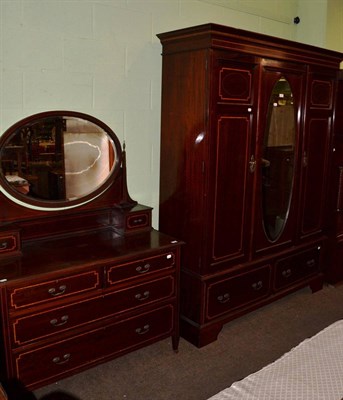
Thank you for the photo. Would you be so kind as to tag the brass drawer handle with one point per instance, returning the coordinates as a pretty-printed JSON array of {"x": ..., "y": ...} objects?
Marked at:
[
  {"x": 252, "y": 164},
  {"x": 143, "y": 269},
  {"x": 310, "y": 263},
  {"x": 143, "y": 296},
  {"x": 224, "y": 298},
  {"x": 64, "y": 320},
  {"x": 257, "y": 285},
  {"x": 287, "y": 273},
  {"x": 59, "y": 361},
  {"x": 144, "y": 330},
  {"x": 3, "y": 245},
  {"x": 61, "y": 289}
]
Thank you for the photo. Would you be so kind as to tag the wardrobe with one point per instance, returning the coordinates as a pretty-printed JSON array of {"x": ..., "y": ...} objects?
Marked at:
[{"x": 246, "y": 152}]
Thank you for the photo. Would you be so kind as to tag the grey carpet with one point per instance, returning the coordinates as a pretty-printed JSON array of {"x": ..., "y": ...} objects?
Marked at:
[{"x": 244, "y": 346}]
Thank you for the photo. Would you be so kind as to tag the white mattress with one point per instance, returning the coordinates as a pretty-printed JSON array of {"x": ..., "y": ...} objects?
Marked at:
[{"x": 311, "y": 371}]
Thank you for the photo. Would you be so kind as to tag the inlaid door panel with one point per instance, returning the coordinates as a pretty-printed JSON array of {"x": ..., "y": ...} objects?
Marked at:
[
  {"x": 316, "y": 153},
  {"x": 235, "y": 84},
  {"x": 314, "y": 174},
  {"x": 230, "y": 193}
]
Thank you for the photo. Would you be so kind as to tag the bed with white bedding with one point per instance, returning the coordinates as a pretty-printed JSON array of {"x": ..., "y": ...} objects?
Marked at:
[{"x": 313, "y": 370}]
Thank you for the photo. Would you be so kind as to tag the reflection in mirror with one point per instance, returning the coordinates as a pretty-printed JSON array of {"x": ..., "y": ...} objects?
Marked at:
[
  {"x": 278, "y": 159},
  {"x": 58, "y": 158}
]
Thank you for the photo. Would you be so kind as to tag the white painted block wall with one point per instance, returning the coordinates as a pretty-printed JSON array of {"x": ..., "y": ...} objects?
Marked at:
[{"x": 102, "y": 57}]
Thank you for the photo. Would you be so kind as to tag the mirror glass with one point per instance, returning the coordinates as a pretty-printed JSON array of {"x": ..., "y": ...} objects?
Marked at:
[
  {"x": 278, "y": 159},
  {"x": 58, "y": 158}
]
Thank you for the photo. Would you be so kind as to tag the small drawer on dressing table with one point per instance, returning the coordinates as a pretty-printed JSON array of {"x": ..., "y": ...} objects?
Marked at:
[
  {"x": 9, "y": 243},
  {"x": 132, "y": 220},
  {"x": 138, "y": 221}
]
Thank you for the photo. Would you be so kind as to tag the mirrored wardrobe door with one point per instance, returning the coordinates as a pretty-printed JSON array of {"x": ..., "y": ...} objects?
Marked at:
[
  {"x": 277, "y": 164},
  {"x": 277, "y": 152}
]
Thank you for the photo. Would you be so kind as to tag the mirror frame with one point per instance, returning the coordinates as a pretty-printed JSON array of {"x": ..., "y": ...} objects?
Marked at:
[{"x": 57, "y": 205}]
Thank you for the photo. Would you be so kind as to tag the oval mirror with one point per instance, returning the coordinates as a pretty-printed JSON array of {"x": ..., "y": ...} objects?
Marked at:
[
  {"x": 278, "y": 159},
  {"x": 58, "y": 159}
]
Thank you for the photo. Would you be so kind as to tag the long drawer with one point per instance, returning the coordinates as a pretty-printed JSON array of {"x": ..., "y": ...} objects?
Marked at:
[
  {"x": 227, "y": 294},
  {"x": 25, "y": 329},
  {"x": 56, "y": 360},
  {"x": 25, "y": 296}
]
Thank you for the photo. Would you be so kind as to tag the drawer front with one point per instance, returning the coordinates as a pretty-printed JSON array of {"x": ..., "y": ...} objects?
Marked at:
[
  {"x": 9, "y": 243},
  {"x": 138, "y": 221},
  {"x": 228, "y": 294},
  {"x": 37, "y": 326},
  {"x": 299, "y": 266},
  {"x": 46, "y": 291},
  {"x": 140, "y": 267},
  {"x": 51, "y": 362}
]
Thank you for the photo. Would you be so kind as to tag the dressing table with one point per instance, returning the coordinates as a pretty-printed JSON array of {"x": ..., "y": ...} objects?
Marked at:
[{"x": 84, "y": 277}]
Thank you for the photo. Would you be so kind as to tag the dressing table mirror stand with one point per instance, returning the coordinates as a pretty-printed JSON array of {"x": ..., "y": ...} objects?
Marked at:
[{"x": 84, "y": 277}]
